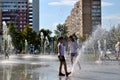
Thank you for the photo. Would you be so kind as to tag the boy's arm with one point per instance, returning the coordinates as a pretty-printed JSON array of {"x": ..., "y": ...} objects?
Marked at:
[{"x": 59, "y": 50}]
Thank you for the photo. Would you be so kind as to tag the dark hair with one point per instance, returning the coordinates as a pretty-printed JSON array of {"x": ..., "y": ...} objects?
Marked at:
[
  {"x": 72, "y": 38},
  {"x": 60, "y": 38}
]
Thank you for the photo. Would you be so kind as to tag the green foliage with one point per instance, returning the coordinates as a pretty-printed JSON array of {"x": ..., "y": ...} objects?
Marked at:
[
  {"x": 113, "y": 36},
  {"x": 61, "y": 30},
  {"x": 17, "y": 37},
  {"x": 46, "y": 33},
  {"x": 12, "y": 29},
  {"x": 29, "y": 34}
]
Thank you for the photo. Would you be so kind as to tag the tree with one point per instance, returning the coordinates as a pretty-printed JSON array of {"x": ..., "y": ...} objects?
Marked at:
[
  {"x": 16, "y": 35},
  {"x": 46, "y": 33},
  {"x": 29, "y": 34},
  {"x": 113, "y": 36},
  {"x": 61, "y": 30}
]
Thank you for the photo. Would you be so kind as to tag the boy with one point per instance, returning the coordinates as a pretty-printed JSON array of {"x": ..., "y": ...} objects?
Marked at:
[{"x": 61, "y": 57}]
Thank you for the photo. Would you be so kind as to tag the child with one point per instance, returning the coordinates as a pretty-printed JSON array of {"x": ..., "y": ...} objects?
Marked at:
[
  {"x": 72, "y": 48},
  {"x": 117, "y": 47},
  {"x": 61, "y": 57}
]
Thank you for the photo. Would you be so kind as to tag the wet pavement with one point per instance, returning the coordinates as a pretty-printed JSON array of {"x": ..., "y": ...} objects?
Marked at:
[{"x": 45, "y": 67}]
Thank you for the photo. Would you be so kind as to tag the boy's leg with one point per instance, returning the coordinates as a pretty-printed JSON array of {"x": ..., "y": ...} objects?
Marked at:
[
  {"x": 60, "y": 67},
  {"x": 65, "y": 68}
]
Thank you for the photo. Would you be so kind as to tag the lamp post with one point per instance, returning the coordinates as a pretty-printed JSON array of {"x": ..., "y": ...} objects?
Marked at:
[{"x": 42, "y": 37}]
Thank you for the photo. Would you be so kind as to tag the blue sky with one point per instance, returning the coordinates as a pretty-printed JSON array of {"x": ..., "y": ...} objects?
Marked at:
[{"x": 53, "y": 12}]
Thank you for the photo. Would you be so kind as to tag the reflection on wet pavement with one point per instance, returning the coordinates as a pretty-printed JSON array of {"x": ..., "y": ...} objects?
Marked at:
[
  {"x": 31, "y": 67},
  {"x": 23, "y": 68}
]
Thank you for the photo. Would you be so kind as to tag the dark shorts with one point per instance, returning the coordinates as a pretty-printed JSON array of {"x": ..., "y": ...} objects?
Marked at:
[
  {"x": 73, "y": 54},
  {"x": 61, "y": 58}
]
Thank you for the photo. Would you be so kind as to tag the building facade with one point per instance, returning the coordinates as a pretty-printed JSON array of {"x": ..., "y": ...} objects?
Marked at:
[
  {"x": 36, "y": 11},
  {"x": 84, "y": 17},
  {"x": 30, "y": 14},
  {"x": 0, "y": 18},
  {"x": 15, "y": 11}
]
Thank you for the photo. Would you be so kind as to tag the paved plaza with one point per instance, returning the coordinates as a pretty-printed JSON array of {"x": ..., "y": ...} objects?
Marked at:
[{"x": 45, "y": 67}]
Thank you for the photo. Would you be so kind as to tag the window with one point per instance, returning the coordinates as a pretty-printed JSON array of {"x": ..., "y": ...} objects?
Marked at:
[
  {"x": 96, "y": 2},
  {"x": 96, "y": 6},
  {"x": 77, "y": 6},
  {"x": 20, "y": 26},
  {"x": 95, "y": 10}
]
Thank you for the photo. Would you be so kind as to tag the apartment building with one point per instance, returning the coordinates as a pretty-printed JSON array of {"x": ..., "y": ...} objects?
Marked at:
[
  {"x": 36, "y": 12},
  {"x": 84, "y": 17},
  {"x": 15, "y": 11}
]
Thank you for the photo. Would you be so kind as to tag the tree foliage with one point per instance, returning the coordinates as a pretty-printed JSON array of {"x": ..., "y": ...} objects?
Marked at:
[
  {"x": 29, "y": 34},
  {"x": 113, "y": 36},
  {"x": 16, "y": 35},
  {"x": 61, "y": 30},
  {"x": 46, "y": 33}
]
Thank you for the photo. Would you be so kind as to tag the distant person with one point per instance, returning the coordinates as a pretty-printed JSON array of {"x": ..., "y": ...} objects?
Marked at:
[
  {"x": 62, "y": 58},
  {"x": 31, "y": 49},
  {"x": 72, "y": 46},
  {"x": 103, "y": 55},
  {"x": 117, "y": 48}
]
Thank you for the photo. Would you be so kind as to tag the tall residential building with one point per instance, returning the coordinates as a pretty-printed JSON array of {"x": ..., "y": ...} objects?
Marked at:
[
  {"x": 0, "y": 18},
  {"x": 31, "y": 14},
  {"x": 84, "y": 17},
  {"x": 15, "y": 11},
  {"x": 36, "y": 15}
]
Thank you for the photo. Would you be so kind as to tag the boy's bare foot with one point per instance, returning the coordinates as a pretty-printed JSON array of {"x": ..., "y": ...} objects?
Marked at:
[
  {"x": 68, "y": 73},
  {"x": 61, "y": 74}
]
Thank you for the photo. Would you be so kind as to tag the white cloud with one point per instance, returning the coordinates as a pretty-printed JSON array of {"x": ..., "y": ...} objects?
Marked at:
[
  {"x": 107, "y": 3},
  {"x": 111, "y": 20},
  {"x": 56, "y": 23},
  {"x": 63, "y": 2},
  {"x": 72, "y": 2},
  {"x": 113, "y": 17}
]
